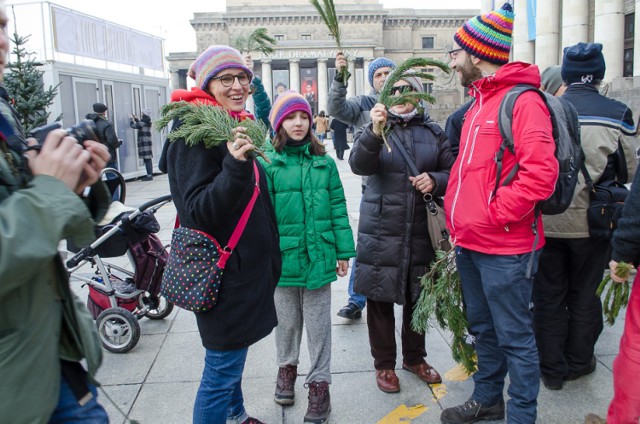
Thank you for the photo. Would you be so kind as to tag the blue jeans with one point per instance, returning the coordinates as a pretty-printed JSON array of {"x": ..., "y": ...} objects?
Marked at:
[
  {"x": 220, "y": 393},
  {"x": 69, "y": 410},
  {"x": 357, "y": 299},
  {"x": 497, "y": 295}
]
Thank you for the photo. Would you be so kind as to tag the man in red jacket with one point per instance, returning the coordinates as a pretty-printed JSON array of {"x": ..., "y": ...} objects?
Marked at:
[{"x": 494, "y": 231}]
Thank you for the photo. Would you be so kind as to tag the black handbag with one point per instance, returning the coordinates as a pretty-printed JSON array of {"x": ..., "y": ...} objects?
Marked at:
[
  {"x": 605, "y": 206},
  {"x": 436, "y": 220}
]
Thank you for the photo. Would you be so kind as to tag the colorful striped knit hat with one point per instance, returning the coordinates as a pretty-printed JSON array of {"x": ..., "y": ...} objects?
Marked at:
[
  {"x": 488, "y": 37},
  {"x": 286, "y": 103},
  {"x": 214, "y": 60}
]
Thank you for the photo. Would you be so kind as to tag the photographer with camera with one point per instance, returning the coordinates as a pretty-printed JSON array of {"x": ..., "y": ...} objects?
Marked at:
[
  {"x": 105, "y": 132},
  {"x": 44, "y": 330}
]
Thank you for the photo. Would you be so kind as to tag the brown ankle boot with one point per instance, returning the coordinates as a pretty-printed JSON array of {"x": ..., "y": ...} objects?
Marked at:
[
  {"x": 285, "y": 386},
  {"x": 319, "y": 402}
]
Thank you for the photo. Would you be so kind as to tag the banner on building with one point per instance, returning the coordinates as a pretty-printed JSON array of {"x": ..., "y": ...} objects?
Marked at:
[
  {"x": 309, "y": 86},
  {"x": 280, "y": 82},
  {"x": 82, "y": 35}
]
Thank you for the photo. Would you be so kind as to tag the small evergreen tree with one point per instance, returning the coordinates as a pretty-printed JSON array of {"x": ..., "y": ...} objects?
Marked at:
[{"x": 24, "y": 84}]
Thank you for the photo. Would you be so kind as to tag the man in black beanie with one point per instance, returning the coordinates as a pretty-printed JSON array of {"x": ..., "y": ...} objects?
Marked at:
[
  {"x": 568, "y": 314},
  {"x": 105, "y": 131}
]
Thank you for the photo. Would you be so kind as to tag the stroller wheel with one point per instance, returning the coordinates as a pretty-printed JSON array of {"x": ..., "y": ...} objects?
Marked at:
[
  {"x": 119, "y": 330},
  {"x": 159, "y": 306}
]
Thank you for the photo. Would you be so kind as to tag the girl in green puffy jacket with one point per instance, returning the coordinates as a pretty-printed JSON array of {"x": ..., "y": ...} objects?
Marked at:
[{"x": 316, "y": 243}]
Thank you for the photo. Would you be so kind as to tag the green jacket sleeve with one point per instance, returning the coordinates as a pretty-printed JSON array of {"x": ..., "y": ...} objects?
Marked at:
[
  {"x": 262, "y": 102},
  {"x": 33, "y": 220}
]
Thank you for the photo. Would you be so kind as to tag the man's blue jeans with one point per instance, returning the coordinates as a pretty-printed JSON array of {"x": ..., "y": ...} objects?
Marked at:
[
  {"x": 69, "y": 410},
  {"x": 497, "y": 295},
  {"x": 220, "y": 394},
  {"x": 357, "y": 299}
]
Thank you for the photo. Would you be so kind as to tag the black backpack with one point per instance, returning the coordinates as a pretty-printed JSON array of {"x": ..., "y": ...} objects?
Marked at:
[
  {"x": 566, "y": 134},
  {"x": 569, "y": 154}
]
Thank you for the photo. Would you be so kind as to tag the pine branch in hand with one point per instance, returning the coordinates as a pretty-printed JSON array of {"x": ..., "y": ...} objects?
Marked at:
[
  {"x": 404, "y": 70},
  {"x": 261, "y": 41},
  {"x": 441, "y": 299},
  {"x": 616, "y": 295},
  {"x": 208, "y": 124}
]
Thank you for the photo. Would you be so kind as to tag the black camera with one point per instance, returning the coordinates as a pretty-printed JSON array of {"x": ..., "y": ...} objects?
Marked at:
[{"x": 83, "y": 130}]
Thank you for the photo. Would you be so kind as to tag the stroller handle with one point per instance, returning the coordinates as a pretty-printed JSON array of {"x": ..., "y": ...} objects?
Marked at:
[
  {"x": 151, "y": 203},
  {"x": 83, "y": 253}
]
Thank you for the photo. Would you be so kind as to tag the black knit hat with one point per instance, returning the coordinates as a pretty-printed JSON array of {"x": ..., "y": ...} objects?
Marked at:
[
  {"x": 583, "y": 63},
  {"x": 99, "y": 108}
]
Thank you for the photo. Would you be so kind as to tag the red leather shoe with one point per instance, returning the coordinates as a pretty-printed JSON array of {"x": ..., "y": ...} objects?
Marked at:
[
  {"x": 387, "y": 381},
  {"x": 425, "y": 372}
]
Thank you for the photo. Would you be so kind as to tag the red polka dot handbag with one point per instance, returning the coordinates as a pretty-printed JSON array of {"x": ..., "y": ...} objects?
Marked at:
[{"x": 197, "y": 261}]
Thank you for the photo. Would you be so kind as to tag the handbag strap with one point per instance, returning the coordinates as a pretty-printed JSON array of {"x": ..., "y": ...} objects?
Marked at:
[
  {"x": 403, "y": 152},
  {"x": 427, "y": 197},
  {"x": 237, "y": 232}
]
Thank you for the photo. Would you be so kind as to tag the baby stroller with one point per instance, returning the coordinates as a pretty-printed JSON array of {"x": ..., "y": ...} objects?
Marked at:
[{"x": 118, "y": 298}]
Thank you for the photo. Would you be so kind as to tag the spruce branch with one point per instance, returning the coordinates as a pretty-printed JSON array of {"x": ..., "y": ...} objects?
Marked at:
[
  {"x": 258, "y": 40},
  {"x": 441, "y": 299},
  {"x": 404, "y": 70},
  {"x": 617, "y": 294},
  {"x": 209, "y": 125}
]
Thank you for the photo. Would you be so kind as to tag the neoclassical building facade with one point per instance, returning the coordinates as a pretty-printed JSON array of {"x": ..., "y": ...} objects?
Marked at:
[
  {"x": 305, "y": 51},
  {"x": 540, "y": 36},
  {"x": 304, "y": 56}
]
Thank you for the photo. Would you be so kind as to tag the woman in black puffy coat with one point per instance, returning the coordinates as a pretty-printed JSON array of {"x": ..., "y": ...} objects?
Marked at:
[{"x": 393, "y": 249}]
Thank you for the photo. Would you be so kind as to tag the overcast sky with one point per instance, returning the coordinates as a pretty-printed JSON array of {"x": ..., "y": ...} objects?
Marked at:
[{"x": 170, "y": 20}]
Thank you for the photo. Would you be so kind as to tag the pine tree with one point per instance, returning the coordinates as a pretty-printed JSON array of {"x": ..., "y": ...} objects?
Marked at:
[{"x": 25, "y": 86}]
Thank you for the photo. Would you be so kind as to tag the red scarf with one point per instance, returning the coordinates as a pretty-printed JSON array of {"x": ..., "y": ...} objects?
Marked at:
[{"x": 196, "y": 95}]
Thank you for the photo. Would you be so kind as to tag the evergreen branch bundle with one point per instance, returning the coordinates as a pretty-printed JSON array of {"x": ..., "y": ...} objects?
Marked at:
[
  {"x": 617, "y": 294},
  {"x": 327, "y": 12},
  {"x": 258, "y": 40},
  {"x": 415, "y": 98},
  {"x": 441, "y": 298},
  {"x": 208, "y": 124}
]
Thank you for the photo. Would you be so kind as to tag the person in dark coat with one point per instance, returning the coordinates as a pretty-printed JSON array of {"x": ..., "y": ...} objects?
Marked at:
[
  {"x": 105, "y": 132},
  {"x": 145, "y": 142},
  {"x": 393, "y": 249},
  {"x": 339, "y": 137},
  {"x": 211, "y": 188}
]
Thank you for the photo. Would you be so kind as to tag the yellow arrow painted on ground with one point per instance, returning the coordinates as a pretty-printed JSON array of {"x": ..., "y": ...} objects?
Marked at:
[{"x": 403, "y": 414}]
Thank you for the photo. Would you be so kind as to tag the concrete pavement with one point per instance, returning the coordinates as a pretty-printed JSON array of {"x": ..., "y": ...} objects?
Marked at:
[{"x": 156, "y": 382}]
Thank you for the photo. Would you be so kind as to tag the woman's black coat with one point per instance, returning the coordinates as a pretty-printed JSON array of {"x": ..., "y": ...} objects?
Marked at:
[
  {"x": 393, "y": 240},
  {"x": 210, "y": 190}
]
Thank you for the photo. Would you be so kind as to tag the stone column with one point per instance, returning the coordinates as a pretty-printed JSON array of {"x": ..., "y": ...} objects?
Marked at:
[
  {"x": 609, "y": 30},
  {"x": 249, "y": 105},
  {"x": 351, "y": 87},
  {"x": 323, "y": 88},
  {"x": 175, "y": 78},
  {"x": 636, "y": 41},
  {"x": 487, "y": 6},
  {"x": 294, "y": 74},
  {"x": 523, "y": 49},
  {"x": 266, "y": 77},
  {"x": 575, "y": 23},
  {"x": 366, "y": 88},
  {"x": 547, "y": 33}
]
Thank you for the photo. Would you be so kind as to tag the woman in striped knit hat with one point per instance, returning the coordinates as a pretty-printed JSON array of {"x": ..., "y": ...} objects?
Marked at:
[
  {"x": 316, "y": 243},
  {"x": 211, "y": 188}
]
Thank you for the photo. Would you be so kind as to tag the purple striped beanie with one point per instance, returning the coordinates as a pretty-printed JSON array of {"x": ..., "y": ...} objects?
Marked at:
[
  {"x": 286, "y": 103},
  {"x": 212, "y": 61}
]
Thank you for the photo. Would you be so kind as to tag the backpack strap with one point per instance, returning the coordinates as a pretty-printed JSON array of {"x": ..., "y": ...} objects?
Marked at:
[{"x": 505, "y": 117}]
